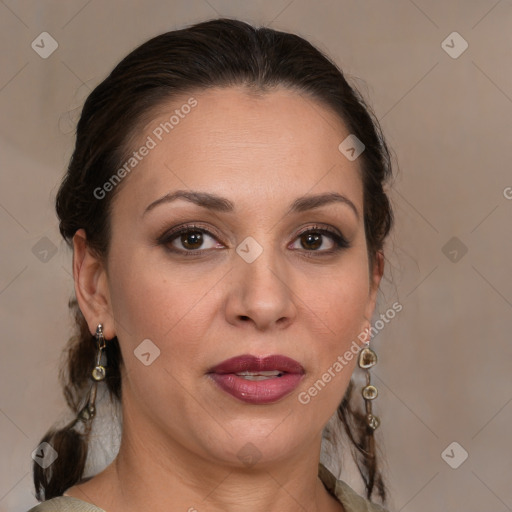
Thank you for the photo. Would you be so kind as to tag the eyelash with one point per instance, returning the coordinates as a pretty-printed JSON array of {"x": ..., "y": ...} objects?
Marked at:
[{"x": 169, "y": 236}]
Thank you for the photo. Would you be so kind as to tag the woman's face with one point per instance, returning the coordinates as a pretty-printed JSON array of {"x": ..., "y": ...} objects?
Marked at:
[{"x": 247, "y": 279}]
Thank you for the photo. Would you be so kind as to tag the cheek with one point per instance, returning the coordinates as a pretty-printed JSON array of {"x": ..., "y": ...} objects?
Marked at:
[
  {"x": 340, "y": 301},
  {"x": 137, "y": 303},
  {"x": 337, "y": 332},
  {"x": 161, "y": 303}
]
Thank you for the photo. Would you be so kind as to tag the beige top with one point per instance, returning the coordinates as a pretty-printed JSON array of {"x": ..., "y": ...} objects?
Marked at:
[{"x": 351, "y": 501}]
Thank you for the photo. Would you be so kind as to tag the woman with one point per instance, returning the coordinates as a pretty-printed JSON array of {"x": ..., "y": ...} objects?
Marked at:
[{"x": 226, "y": 209}]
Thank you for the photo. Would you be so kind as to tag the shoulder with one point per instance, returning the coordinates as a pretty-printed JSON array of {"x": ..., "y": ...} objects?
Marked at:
[
  {"x": 351, "y": 501},
  {"x": 65, "y": 504}
]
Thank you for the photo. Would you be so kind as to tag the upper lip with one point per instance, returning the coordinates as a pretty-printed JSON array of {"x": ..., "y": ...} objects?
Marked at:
[{"x": 252, "y": 363}]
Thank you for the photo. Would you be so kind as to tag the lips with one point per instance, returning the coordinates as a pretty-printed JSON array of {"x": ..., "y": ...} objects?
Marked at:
[
  {"x": 257, "y": 380},
  {"x": 248, "y": 363}
]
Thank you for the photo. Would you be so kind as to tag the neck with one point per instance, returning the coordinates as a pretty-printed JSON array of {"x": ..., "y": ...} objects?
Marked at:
[
  {"x": 151, "y": 478},
  {"x": 152, "y": 473}
]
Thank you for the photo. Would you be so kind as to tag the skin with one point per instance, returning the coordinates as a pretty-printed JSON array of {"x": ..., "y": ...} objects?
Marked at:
[{"x": 181, "y": 433}]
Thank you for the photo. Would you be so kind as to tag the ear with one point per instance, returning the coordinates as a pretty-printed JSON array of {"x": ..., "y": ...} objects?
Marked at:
[
  {"x": 91, "y": 286},
  {"x": 376, "y": 275}
]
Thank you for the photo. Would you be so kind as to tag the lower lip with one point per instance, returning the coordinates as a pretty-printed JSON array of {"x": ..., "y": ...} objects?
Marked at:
[{"x": 257, "y": 391}]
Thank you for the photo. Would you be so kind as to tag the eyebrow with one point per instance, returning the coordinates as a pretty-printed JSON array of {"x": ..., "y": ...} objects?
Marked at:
[{"x": 221, "y": 204}]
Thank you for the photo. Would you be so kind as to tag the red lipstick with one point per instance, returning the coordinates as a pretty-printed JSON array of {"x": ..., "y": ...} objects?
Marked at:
[{"x": 258, "y": 380}]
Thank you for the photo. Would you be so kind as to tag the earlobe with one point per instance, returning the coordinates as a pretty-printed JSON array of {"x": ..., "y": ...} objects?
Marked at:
[
  {"x": 91, "y": 286},
  {"x": 378, "y": 269},
  {"x": 376, "y": 276}
]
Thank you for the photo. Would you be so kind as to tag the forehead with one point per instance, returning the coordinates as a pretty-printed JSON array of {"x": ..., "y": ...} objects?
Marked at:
[{"x": 234, "y": 141}]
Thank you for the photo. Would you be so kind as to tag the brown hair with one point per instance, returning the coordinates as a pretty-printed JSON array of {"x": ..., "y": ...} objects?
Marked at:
[{"x": 215, "y": 53}]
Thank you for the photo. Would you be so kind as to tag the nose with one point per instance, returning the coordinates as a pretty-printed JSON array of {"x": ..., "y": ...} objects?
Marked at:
[{"x": 261, "y": 293}]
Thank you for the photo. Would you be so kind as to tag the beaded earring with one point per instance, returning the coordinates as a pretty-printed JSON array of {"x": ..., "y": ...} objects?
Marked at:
[
  {"x": 368, "y": 359},
  {"x": 98, "y": 374}
]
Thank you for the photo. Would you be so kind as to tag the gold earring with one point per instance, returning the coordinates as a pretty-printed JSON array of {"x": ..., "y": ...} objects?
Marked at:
[
  {"x": 99, "y": 371},
  {"x": 368, "y": 359},
  {"x": 98, "y": 374}
]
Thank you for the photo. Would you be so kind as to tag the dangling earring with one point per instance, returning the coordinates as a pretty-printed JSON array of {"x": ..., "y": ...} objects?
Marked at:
[
  {"x": 98, "y": 374},
  {"x": 367, "y": 359}
]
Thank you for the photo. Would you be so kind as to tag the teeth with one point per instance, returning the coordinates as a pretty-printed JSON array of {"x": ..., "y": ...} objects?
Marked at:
[
  {"x": 271, "y": 373},
  {"x": 255, "y": 377},
  {"x": 262, "y": 375}
]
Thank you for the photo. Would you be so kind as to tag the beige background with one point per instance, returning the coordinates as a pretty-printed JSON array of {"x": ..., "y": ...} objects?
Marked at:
[{"x": 444, "y": 371}]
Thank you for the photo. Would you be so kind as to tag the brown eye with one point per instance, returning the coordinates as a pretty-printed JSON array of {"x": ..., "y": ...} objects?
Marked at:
[
  {"x": 311, "y": 240},
  {"x": 189, "y": 240},
  {"x": 321, "y": 240},
  {"x": 192, "y": 239}
]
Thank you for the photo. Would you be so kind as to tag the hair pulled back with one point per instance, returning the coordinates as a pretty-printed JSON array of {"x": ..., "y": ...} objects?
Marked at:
[{"x": 216, "y": 53}]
